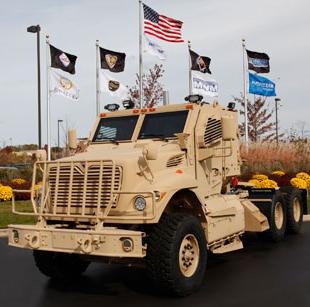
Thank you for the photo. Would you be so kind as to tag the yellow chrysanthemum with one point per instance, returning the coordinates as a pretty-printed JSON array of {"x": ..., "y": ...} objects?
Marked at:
[
  {"x": 302, "y": 175},
  {"x": 308, "y": 183},
  {"x": 267, "y": 183},
  {"x": 255, "y": 182},
  {"x": 18, "y": 181},
  {"x": 299, "y": 183},
  {"x": 260, "y": 177},
  {"x": 6, "y": 193},
  {"x": 278, "y": 173}
]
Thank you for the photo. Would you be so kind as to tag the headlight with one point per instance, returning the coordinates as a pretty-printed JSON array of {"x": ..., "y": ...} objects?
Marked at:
[{"x": 140, "y": 203}]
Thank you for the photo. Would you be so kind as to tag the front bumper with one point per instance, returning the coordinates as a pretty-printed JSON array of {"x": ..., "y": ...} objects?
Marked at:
[{"x": 108, "y": 242}]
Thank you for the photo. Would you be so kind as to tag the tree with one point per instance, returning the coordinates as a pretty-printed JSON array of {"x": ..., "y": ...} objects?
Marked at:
[
  {"x": 298, "y": 132},
  {"x": 152, "y": 88},
  {"x": 260, "y": 124}
]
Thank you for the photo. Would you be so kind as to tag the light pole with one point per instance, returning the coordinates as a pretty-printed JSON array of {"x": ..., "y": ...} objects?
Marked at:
[
  {"x": 37, "y": 29},
  {"x": 58, "y": 123},
  {"x": 276, "y": 100}
]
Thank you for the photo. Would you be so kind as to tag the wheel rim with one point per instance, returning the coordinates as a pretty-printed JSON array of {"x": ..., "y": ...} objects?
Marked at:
[
  {"x": 189, "y": 255},
  {"x": 279, "y": 215},
  {"x": 296, "y": 209}
]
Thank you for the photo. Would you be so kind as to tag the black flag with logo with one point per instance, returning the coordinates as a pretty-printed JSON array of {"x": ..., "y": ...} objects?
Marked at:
[
  {"x": 112, "y": 60},
  {"x": 62, "y": 60},
  {"x": 200, "y": 63},
  {"x": 257, "y": 61}
]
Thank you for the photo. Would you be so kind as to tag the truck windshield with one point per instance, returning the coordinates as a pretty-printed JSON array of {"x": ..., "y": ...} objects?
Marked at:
[
  {"x": 163, "y": 125},
  {"x": 115, "y": 128}
]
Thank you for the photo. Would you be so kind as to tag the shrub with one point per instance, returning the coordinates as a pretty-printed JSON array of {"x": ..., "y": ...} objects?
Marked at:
[
  {"x": 299, "y": 183},
  {"x": 269, "y": 157},
  {"x": 18, "y": 181},
  {"x": 6, "y": 193}
]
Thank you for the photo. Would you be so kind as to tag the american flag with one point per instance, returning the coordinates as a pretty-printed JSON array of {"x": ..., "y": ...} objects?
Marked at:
[{"x": 161, "y": 26}]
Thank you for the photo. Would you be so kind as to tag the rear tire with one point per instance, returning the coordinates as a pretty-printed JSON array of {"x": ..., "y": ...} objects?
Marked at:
[
  {"x": 276, "y": 215},
  {"x": 177, "y": 254},
  {"x": 294, "y": 210},
  {"x": 59, "y": 265}
]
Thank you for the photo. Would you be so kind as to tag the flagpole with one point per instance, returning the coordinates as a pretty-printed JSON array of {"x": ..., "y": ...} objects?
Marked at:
[
  {"x": 97, "y": 79},
  {"x": 140, "y": 55},
  {"x": 48, "y": 100},
  {"x": 246, "y": 131},
  {"x": 189, "y": 69}
]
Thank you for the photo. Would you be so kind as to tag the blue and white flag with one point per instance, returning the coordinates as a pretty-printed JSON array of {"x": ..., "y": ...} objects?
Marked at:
[
  {"x": 261, "y": 86},
  {"x": 154, "y": 49},
  {"x": 204, "y": 85}
]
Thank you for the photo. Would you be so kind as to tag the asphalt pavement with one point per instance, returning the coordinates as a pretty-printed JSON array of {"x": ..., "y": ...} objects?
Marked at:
[{"x": 262, "y": 274}]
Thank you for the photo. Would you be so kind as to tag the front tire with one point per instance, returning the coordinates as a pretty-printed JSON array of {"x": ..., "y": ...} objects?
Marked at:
[
  {"x": 59, "y": 265},
  {"x": 177, "y": 254}
]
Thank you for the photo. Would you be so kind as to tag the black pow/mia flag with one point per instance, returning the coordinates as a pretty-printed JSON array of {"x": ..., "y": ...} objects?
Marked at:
[
  {"x": 112, "y": 60},
  {"x": 200, "y": 63},
  {"x": 258, "y": 61},
  {"x": 62, "y": 60}
]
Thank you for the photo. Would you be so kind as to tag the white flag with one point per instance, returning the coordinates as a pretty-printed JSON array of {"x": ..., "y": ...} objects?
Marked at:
[
  {"x": 154, "y": 49},
  {"x": 61, "y": 85},
  {"x": 204, "y": 85},
  {"x": 112, "y": 86}
]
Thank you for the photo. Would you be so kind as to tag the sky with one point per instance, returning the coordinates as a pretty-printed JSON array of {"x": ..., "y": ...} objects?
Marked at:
[{"x": 215, "y": 28}]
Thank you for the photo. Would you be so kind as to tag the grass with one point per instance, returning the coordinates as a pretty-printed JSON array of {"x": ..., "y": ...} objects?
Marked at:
[{"x": 7, "y": 217}]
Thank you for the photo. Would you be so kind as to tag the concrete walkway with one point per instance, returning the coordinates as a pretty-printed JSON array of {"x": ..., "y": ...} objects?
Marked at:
[{"x": 3, "y": 233}]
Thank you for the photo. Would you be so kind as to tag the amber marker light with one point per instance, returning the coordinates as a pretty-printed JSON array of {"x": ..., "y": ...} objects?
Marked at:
[
  {"x": 103, "y": 114},
  {"x": 179, "y": 171},
  {"x": 189, "y": 107}
]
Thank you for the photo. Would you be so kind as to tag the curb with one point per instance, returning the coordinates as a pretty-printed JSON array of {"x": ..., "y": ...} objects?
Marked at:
[
  {"x": 307, "y": 218},
  {"x": 3, "y": 233}
]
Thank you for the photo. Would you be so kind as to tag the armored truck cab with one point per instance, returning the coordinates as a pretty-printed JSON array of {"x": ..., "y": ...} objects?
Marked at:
[{"x": 152, "y": 186}]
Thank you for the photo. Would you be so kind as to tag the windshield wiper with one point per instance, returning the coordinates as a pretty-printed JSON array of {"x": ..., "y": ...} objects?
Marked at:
[
  {"x": 150, "y": 135},
  {"x": 114, "y": 141}
]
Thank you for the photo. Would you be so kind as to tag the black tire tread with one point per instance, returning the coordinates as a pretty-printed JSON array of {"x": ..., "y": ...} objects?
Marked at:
[
  {"x": 159, "y": 254},
  {"x": 292, "y": 226},
  {"x": 59, "y": 265}
]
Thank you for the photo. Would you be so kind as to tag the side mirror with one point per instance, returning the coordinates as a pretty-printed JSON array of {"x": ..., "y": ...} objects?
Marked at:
[
  {"x": 72, "y": 140},
  {"x": 150, "y": 152},
  {"x": 229, "y": 129},
  {"x": 41, "y": 155}
]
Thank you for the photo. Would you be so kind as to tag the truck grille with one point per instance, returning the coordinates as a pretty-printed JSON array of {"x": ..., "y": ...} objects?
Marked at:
[{"x": 83, "y": 187}]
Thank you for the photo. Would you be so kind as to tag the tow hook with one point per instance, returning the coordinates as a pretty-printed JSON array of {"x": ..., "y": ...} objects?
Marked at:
[
  {"x": 33, "y": 240},
  {"x": 85, "y": 244}
]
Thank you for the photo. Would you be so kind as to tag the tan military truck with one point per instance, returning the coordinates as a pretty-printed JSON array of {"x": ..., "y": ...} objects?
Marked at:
[{"x": 152, "y": 187}]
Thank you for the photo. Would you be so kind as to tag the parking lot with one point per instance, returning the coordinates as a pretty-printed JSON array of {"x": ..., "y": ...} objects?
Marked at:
[{"x": 262, "y": 274}]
